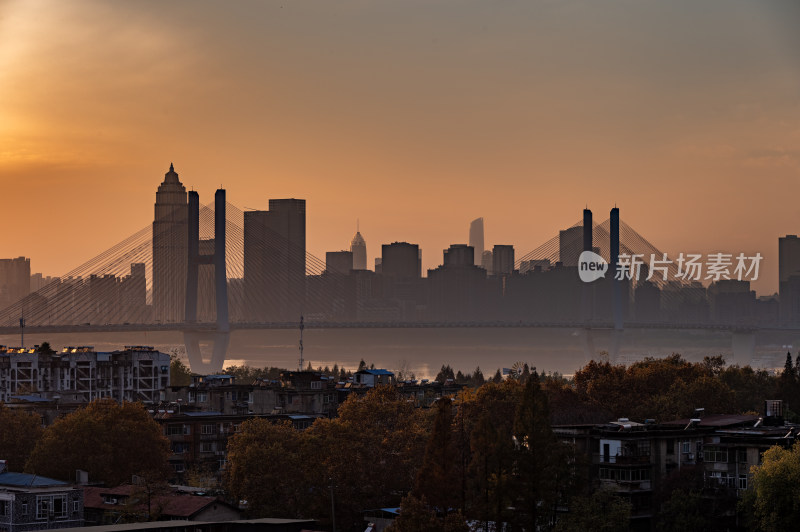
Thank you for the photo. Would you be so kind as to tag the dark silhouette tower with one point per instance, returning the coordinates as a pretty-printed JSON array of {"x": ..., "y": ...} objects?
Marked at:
[
  {"x": 612, "y": 268},
  {"x": 170, "y": 250},
  {"x": 587, "y": 290},
  {"x": 221, "y": 336},
  {"x": 587, "y": 230}
]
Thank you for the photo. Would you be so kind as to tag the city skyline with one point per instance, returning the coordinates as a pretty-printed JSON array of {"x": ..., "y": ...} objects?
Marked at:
[{"x": 413, "y": 117}]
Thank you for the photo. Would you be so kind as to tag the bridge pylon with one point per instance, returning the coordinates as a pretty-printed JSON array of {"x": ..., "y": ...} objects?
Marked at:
[{"x": 220, "y": 336}]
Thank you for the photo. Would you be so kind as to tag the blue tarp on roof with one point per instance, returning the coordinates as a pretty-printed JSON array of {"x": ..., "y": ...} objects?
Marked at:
[
  {"x": 30, "y": 398},
  {"x": 378, "y": 371},
  {"x": 26, "y": 480}
]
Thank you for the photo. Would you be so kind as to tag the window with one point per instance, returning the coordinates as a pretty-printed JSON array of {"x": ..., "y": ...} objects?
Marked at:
[
  {"x": 178, "y": 430},
  {"x": 53, "y": 506},
  {"x": 316, "y": 385},
  {"x": 24, "y": 508},
  {"x": 3, "y": 508},
  {"x": 202, "y": 397},
  {"x": 715, "y": 454},
  {"x": 687, "y": 447},
  {"x": 209, "y": 429},
  {"x": 742, "y": 482},
  {"x": 76, "y": 507},
  {"x": 207, "y": 447}
]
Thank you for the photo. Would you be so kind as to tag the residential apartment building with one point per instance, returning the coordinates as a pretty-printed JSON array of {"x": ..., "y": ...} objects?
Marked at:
[
  {"x": 136, "y": 373},
  {"x": 635, "y": 459}
]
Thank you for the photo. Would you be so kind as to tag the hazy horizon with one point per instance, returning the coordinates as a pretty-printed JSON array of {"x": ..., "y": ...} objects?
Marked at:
[{"x": 414, "y": 117}]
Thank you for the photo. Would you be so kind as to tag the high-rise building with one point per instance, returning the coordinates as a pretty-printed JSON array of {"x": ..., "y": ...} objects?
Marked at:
[
  {"x": 275, "y": 260},
  {"x": 358, "y": 247},
  {"x": 486, "y": 261},
  {"x": 570, "y": 245},
  {"x": 789, "y": 278},
  {"x": 503, "y": 259},
  {"x": 476, "y": 239},
  {"x": 170, "y": 251},
  {"x": 459, "y": 255},
  {"x": 15, "y": 280},
  {"x": 401, "y": 260},
  {"x": 340, "y": 262}
]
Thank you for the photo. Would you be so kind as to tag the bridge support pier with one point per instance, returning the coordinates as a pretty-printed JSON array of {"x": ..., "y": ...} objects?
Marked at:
[
  {"x": 589, "y": 337},
  {"x": 220, "y": 342},
  {"x": 743, "y": 346}
]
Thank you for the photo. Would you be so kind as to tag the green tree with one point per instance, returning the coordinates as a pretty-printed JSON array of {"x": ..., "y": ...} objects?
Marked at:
[
  {"x": 19, "y": 433},
  {"x": 179, "y": 373},
  {"x": 112, "y": 442},
  {"x": 773, "y": 496}
]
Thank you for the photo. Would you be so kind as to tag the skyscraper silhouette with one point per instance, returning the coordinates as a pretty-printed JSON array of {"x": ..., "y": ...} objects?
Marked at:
[
  {"x": 170, "y": 251},
  {"x": 275, "y": 260},
  {"x": 359, "y": 249},
  {"x": 476, "y": 239}
]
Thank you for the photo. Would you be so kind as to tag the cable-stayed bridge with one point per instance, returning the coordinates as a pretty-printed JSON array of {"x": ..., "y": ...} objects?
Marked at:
[{"x": 216, "y": 287}]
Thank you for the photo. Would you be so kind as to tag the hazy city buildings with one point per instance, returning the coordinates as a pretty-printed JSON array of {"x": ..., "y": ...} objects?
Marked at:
[
  {"x": 15, "y": 280},
  {"x": 476, "y": 239},
  {"x": 789, "y": 278},
  {"x": 401, "y": 260},
  {"x": 340, "y": 262},
  {"x": 170, "y": 251},
  {"x": 502, "y": 260}
]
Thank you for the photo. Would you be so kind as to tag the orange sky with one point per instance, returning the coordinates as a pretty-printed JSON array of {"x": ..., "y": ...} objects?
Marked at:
[{"x": 415, "y": 116}]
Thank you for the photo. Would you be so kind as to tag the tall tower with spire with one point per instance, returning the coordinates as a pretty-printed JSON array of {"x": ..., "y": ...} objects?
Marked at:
[
  {"x": 170, "y": 249},
  {"x": 358, "y": 247}
]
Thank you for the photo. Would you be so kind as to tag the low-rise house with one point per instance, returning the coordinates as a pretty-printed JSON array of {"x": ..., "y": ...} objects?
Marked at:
[
  {"x": 373, "y": 377},
  {"x": 131, "y": 503},
  {"x": 30, "y": 502}
]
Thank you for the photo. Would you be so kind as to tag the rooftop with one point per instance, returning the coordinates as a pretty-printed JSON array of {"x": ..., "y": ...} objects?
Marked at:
[{"x": 24, "y": 480}]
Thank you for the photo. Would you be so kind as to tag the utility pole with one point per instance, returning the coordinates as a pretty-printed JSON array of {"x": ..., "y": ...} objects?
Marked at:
[
  {"x": 22, "y": 329},
  {"x": 300, "y": 368},
  {"x": 333, "y": 508}
]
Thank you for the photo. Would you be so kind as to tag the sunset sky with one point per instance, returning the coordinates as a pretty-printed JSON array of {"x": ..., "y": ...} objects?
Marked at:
[{"x": 414, "y": 116}]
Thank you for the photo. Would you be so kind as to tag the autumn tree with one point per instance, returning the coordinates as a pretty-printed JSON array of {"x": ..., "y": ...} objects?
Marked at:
[
  {"x": 416, "y": 515},
  {"x": 369, "y": 453},
  {"x": 19, "y": 432},
  {"x": 773, "y": 497},
  {"x": 110, "y": 441},
  {"x": 438, "y": 472},
  {"x": 542, "y": 476},
  {"x": 266, "y": 466},
  {"x": 491, "y": 416}
]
